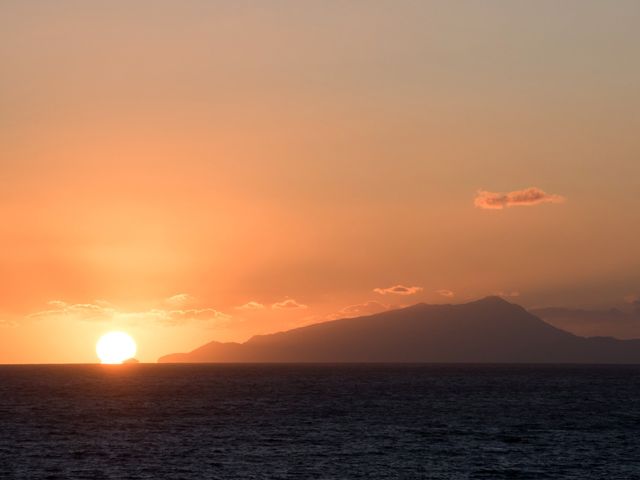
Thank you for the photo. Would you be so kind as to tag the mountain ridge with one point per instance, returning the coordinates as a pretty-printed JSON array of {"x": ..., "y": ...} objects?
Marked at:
[{"x": 488, "y": 330}]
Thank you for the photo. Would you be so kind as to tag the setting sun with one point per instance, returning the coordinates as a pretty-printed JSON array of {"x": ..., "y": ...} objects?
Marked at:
[{"x": 115, "y": 347}]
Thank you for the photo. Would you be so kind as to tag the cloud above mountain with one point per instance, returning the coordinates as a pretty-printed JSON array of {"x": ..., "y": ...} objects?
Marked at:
[
  {"x": 398, "y": 290},
  {"x": 527, "y": 197},
  {"x": 288, "y": 304},
  {"x": 360, "y": 309},
  {"x": 444, "y": 292},
  {"x": 252, "y": 305}
]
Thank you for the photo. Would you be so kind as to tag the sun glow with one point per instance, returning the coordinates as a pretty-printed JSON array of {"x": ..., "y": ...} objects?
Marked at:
[{"x": 115, "y": 347}]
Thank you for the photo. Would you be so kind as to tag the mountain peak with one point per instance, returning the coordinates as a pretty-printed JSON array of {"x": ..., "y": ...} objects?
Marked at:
[
  {"x": 492, "y": 300},
  {"x": 490, "y": 329}
]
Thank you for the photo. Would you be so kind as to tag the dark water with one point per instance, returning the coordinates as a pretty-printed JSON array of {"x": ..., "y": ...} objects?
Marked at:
[{"x": 324, "y": 422}]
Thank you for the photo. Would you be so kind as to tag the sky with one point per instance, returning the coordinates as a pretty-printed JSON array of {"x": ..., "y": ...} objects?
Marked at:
[{"x": 196, "y": 170}]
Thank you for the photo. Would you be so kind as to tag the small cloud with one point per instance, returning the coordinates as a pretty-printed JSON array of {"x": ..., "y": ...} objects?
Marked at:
[
  {"x": 179, "y": 300},
  {"x": 398, "y": 290},
  {"x": 445, "y": 293},
  {"x": 57, "y": 304},
  {"x": 359, "y": 310},
  {"x": 527, "y": 197},
  {"x": 179, "y": 317},
  {"x": 511, "y": 294},
  {"x": 251, "y": 306},
  {"x": 288, "y": 304}
]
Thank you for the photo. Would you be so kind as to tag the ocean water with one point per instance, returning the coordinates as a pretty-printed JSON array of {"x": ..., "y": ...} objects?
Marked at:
[{"x": 319, "y": 422}]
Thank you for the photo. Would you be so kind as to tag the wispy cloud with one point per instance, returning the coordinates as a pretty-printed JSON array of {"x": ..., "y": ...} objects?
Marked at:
[
  {"x": 359, "y": 310},
  {"x": 445, "y": 293},
  {"x": 88, "y": 312},
  {"x": 94, "y": 312},
  {"x": 288, "y": 304},
  {"x": 179, "y": 300},
  {"x": 398, "y": 290},
  {"x": 507, "y": 294},
  {"x": 527, "y": 197},
  {"x": 251, "y": 306},
  {"x": 180, "y": 317}
]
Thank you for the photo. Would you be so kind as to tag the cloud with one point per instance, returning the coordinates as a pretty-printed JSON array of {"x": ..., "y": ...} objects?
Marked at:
[
  {"x": 359, "y": 310},
  {"x": 288, "y": 304},
  {"x": 57, "y": 304},
  {"x": 251, "y": 306},
  {"x": 179, "y": 300},
  {"x": 89, "y": 312},
  {"x": 93, "y": 312},
  {"x": 398, "y": 290},
  {"x": 208, "y": 315},
  {"x": 445, "y": 293},
  {"x": 527, "y": 197},
  {"x": 512, "y": 294}
]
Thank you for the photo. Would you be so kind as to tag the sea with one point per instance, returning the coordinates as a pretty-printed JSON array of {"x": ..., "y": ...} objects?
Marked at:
[{"x": 208, "y": 421}]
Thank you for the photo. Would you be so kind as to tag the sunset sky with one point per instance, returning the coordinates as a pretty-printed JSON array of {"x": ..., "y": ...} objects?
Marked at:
[{"x": 197, "y": 170}]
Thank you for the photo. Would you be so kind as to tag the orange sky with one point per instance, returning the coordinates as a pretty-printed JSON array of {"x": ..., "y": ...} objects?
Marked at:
[{"x": 165, "y": 163}]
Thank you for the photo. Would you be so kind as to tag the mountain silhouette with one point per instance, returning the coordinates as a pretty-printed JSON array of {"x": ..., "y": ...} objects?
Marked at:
[{"x": 490, "y": 330}]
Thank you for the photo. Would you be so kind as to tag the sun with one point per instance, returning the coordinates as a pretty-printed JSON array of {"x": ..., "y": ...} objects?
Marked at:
[{"x": 115, "y": 347}]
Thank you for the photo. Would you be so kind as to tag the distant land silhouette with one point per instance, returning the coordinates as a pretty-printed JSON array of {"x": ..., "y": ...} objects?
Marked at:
[{"x": 490, "y": 330}]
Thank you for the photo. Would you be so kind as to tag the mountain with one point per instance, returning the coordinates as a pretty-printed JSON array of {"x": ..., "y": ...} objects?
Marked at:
[{"x": 490, "y": 330}]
